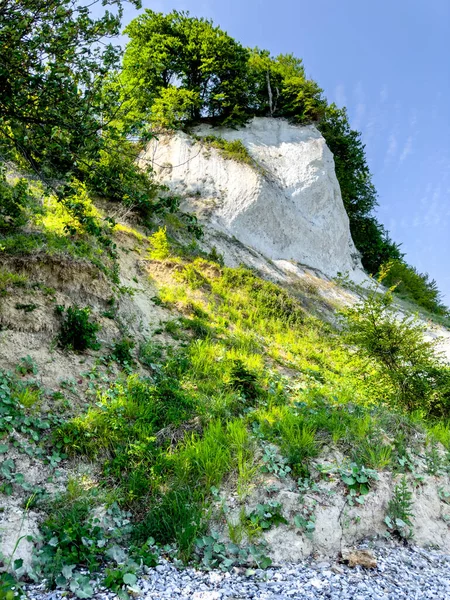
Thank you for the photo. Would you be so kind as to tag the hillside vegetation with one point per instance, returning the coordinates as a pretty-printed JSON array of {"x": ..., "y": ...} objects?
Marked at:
[{"x": 156, "y": 383}]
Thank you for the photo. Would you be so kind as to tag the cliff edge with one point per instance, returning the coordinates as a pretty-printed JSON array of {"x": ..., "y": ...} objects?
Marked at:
[{"x": 287, "y": 205}]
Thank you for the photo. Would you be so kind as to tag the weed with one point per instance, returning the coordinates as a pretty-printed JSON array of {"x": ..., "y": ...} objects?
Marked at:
[
  {"x": 192, "y": 277},
  {"x": 444, "y": 495},
  {"x": 358, "y": 479},
  {"x": 151, "y": 354},
  {"x": 306, "y": 521},
  {"x": 273, "y": 462},
  {"x": 27, "y": 366},
  {"x": 26, "y": 307},
  {"x": 266, "y": 516},
  {"x": 215, "y": 257},
  {"x": 121, "y": 352},
  {"x": 198, "y": 328},
  {"x": 178, "y": 516},
  {"x": 173, "y": 328},
  {"x": 8, "y": 279},
  {"x": 433, "y": 460},
  {"x": 294, "y": 435},
  {"x": 374, "y": 454},
  {"x": 78, "y": 332},
  {"x": 73, "y": 537},
  {"x": 215, "y": 553},
  {"x": 243, "y": 451},
  {"x": 231, "y": 150},
  {"x": 28, "y": 397},
  {"x": 398, "y": 518},
  {"x": 244, "y": 381}
]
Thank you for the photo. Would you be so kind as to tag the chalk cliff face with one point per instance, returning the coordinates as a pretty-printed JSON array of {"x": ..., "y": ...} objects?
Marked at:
[{"x": 288, "y": 208}]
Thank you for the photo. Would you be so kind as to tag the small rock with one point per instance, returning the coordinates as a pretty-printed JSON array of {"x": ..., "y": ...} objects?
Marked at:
[{"x": 362, "y": 558}]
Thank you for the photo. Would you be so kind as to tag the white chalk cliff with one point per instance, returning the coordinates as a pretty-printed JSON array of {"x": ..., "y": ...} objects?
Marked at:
[{"x": 289, "y": 208}]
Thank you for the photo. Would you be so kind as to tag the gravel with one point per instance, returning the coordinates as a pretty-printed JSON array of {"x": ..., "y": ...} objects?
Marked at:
[{"x": 402, "y": 573}]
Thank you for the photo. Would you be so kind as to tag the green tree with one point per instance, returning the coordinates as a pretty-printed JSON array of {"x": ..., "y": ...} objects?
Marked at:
[
  {"x": 278, "y": 87},
  {"x": 60, "y": 114},
  {"x": 177, "y": 52},
  {"x": 54, "y": 60}
]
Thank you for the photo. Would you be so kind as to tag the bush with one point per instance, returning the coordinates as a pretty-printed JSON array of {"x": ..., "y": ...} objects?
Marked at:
[
  {"x": 244, "y": 381},
  {"x": 116, "y": 176},
  {"x": 78, "y": 333},
  {"x": 160, "y": 245},
  {"x": 421, "y": 379}
]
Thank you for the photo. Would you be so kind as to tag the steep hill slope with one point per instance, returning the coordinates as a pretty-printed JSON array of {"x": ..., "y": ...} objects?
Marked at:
[{"x": 219, "y": 408}]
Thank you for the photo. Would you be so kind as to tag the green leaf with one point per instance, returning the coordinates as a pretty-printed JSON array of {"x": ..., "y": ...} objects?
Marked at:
[
  {"x": 348, "y": 480},
  {"x": 129, "y": 579}
]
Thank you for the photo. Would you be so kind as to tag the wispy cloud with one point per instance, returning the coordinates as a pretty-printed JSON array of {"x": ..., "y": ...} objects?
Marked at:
[
  {"x": 384, "y": 93},
  {"x": 391, "y": 149},
  {"x": 407, "y": 148}
]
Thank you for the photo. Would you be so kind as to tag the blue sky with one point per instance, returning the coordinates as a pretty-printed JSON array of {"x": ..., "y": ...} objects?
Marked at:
[{"x": 388, "y": 62}]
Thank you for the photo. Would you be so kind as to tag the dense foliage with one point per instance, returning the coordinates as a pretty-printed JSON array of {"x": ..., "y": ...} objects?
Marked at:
[
  {"x": 52, "y": 69},
  {"x": 59, "y": 118}
]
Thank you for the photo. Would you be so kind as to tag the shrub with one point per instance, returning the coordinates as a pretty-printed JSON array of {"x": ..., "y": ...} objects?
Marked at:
[
  {"x": 420, "y": 378},
  {"x": 115, "y": 175},
  {"x": 244, "y": 381},
  {"x": 78, "y": 333},
  {"x": 160, "y": 245}
]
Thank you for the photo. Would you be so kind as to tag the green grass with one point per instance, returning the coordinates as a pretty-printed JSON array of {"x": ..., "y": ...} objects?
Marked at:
[
  {"x": 9, "y": 279},
  {"x": 230, "y": 150}
]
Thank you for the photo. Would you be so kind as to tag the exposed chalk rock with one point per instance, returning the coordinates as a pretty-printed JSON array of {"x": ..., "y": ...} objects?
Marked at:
[{"x": 289, "y": 207}]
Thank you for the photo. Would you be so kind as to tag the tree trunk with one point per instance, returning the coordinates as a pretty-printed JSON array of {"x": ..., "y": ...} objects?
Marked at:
[{"x": 269, "y": 92}]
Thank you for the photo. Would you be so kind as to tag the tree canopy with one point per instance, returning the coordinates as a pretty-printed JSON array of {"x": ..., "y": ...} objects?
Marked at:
[
  {"x": 54, "y": 60},
  {"x": 183, "y": 68}
]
